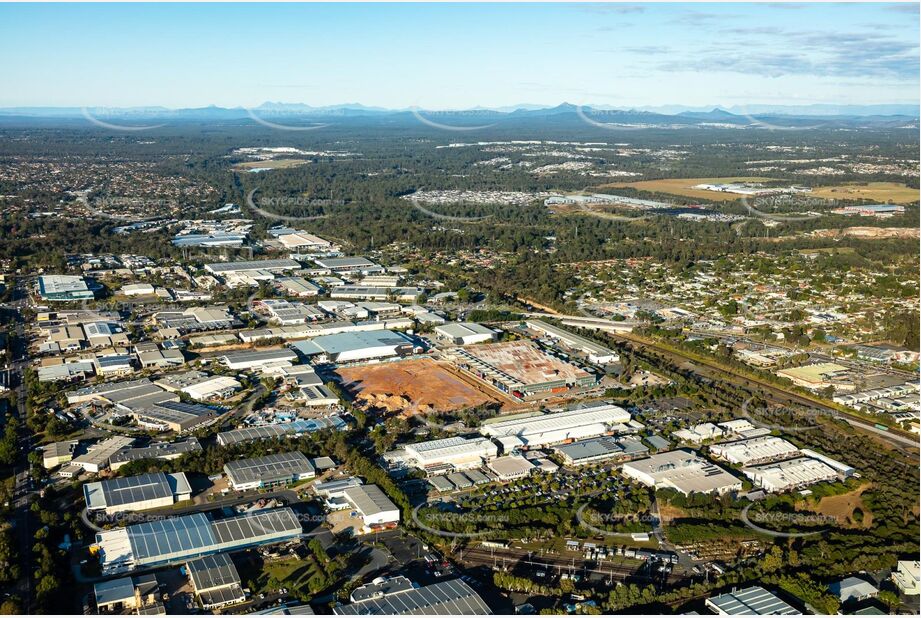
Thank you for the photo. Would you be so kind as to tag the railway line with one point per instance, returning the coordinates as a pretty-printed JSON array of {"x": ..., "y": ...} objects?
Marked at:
[{"x": 779, "y": 395}]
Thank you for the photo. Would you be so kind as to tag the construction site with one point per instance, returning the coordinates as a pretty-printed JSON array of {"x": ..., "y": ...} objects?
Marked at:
[{"x": 418, "y": 386}]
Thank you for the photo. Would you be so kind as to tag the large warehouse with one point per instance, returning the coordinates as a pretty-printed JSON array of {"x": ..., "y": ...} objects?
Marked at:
[
  {"x": 64, "y": 288},
  {"x": 277, "y": 430},
  {"x": 465, "y": 333},
  {"x": 258, "y": 359},
  {"x": 170, "y": 541},
  {"x": 595, "y": 352},
  {"x": 269, "y": 471},
  {"x": 358, "y": 346},
  {"x": 554, "y": 428},
  {"x": 520, "y": 368},
  {"x": 754, "y": 450},
  {"x": 790, "y": 474},
  {"x": 375, "y": 508},
  {"x": 457, "y": 452},
  {"x": 682, "y": 470},
  {"x": 136, "y": 493},
  {"x": 272, "y": 266}
]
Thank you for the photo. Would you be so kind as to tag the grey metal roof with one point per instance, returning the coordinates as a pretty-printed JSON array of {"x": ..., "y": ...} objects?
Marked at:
[
  {"x": 214, "y": 571},
  {"x": 163, "y": 537},
  {"x": 281, "y": 264},
  {"x": 222, "y": 596},
  {"x": 754, "y": 600},
  {"x": 369, "y": 499},
  {"x": 269, "y": 468},
  {"x": 131, "y": 489},
  {"x": 346, "y": 342},
  {"x": 277, "y": 430},
  {"x": 114, "y": 591},
  {"x": 235, "y": 530},
  {"x": 157, "y": 450},
  {"x": 453, "y": 597}
]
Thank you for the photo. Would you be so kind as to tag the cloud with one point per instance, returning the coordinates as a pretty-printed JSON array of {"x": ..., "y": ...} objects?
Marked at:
[
  {"x": 904, "y": 7},
  {"x": 791, "y": 6},
  {"x": 617, "y": 9}
]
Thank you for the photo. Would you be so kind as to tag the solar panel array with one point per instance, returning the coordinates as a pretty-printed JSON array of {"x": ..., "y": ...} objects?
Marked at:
[
  {"x": 273, "y": 467},
  {"x": 165, "y": 537},
  {"x": 253, "y": 526},
  {"x": 131, "y": 489},
  {"x": 213, "y": 571},
  {"x": 453, "y": 597}
]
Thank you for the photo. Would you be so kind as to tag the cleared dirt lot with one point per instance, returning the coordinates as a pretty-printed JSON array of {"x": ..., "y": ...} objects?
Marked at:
[
  {"x": 413, "y": 387},
  {"x": 685, "y": 187}
]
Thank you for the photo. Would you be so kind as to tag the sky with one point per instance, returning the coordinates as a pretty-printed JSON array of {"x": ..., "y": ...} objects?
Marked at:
[{"x": 453, "y": 56}]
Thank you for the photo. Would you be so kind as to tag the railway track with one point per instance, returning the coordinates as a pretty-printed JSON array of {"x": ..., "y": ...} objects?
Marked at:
[
  {"x": 509, "y": 558},
  {"x": 779, "y": 395}
]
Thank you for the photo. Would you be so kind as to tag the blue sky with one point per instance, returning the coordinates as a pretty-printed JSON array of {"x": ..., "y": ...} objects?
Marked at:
[{"x": 457, "y": 56}]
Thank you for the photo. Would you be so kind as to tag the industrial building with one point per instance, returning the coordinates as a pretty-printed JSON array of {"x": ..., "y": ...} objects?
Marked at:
[
  {"x": 465, "y": 333},
  {"x": 269, "y": 471},
  {"x": 754, "y": 450},
  {"x": 359, "y": 346},
  {"x": 97, "y": 456},
  {"x": 790, "y": 474},
  {"x": 215, "y": 581},
  {"x": 258, "y": 359},
  {"x": 288, "y": 313},
  {"x": 375, "y": 508},
  {"x": 852, "y": 589},
  {"x": 297, "y": 286},
  {"x": 602, "y": 448},
  {"x": 364, "y": 292},
  {"x": 345, "y": 265},
  {"x": 157, "y": 450},
  {"x": 554, "y": 428},
  {"x": 753, "y": 601},
  {"x": 270, "y": 266},
  {"x": 448, "y": 598},
  {"x": 510, "y": 467},
  {"x": 170, "y": 541},
  {"x": 278, "y": 430},
  {"x": 457, "y": 453},
  {"x": 816, "y": 376},
  {"x": 520, "y": 368},
  {"x": 64, "y": 288},
  {"x": 175, "y": 416},
  {"x": 595, "y": 352},
  {"x": 57, "y": 453},
  {"x": 136, "y": 493},
  {"x": 199, "y": 385},
  {"x": 682, "y": 470},
  {"x": 140, "y": 594}
]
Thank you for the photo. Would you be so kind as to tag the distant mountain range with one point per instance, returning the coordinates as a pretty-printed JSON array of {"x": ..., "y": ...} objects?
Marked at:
[{"x": 895, "y": 115}]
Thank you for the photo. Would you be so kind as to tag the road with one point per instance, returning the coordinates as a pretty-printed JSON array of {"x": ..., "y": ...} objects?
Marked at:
[{"x": 23, "y": 489}]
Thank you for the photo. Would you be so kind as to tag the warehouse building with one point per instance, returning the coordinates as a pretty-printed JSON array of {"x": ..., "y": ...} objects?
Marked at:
[
  {"x": 595, "y": 352},
  {"x": 790, "y": 474},
  {"x": 97, "y": 456},
  {"x": 682, "y": 470},
  {"x": 289, "y": 313},
  {"x": 456, "y": 453},
  {"x": 140, "y": 594},
  {"x": 816, "y": 376},
  {"x": 520, "y": 368},
  {"x": 170, "y": 541},
  {"x": 359, "y": 346},
  {"x": 448, "y": 598},
  {"x": 297, "y": 286},
  {"x": 136, "y": 493},
  {"x": 753, "y": 601},
  {"x": 126, "y": 396},
  {"x": 175, "y": 416},
  {"x": 224, "y": 269},
  {"x": 269, "y": 471},
  {"x": 754, "y": 450},
  {"x": 364, "y": 292},
  {"x": 64, "y": 288},
  {"x": 215, "y": 581},
  {"x": 465, "y": 333},
  {"x": 555, "y": 428},
  {"x": 158, "y": 450},
  {"x": 346, "y": 265},
  {"x": 58, "y": 453},
  {"x": 200, "y": 386},
  {"x": 510, "y": 467},
  {"x": 375, "y": 508},
  {"x": 258, "y": 359},
  {"x": 603, "y": 448},
  {"x": 278, "y": 430}
]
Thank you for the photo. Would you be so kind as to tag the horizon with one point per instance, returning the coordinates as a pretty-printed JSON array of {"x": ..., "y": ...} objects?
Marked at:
[{"x": 460, "y": 56}]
